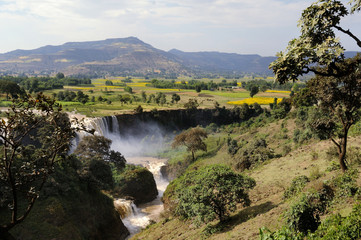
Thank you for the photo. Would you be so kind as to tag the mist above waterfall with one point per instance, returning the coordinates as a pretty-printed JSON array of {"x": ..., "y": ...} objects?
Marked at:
[{"x": 138, "y": 139}]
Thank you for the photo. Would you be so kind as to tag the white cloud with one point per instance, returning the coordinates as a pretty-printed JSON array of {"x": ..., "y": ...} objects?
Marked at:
[{"x": 262, "y": 26}]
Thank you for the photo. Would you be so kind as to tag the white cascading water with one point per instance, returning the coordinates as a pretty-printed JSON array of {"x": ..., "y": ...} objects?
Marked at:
[{"x": 134, "y": 218}]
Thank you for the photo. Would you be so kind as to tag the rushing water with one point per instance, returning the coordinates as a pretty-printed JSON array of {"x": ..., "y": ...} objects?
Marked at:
[
  {"x": 134, "y": 218},
  {"x": 141, "y": 216}
]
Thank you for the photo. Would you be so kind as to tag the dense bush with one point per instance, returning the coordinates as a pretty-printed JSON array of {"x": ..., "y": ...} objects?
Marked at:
[
  {"x": 256, "y": 152},
  {"x": 136, "y": 183},
  {"x": 211, "y": 193},
  {"x": 304, "y": 215},
  {"x": 341, "y": 228},
  {"x": 345, "y": 184},
  {"x": 297, "y": 185},
  {"x": 334, "y": 227},
  {"x": 232, "y": 146}
]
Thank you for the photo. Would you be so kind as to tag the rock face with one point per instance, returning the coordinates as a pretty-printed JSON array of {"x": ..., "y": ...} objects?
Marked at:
[{"x": 138, "y": 184}]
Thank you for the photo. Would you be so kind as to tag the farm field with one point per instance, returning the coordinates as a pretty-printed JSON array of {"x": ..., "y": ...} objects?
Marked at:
[
  {"x": 117, "y": 95},
  {"x": 111, "y": 104}
]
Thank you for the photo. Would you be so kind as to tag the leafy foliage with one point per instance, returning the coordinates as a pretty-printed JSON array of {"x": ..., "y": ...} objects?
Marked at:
[
  {"x": 256, "y": 152},
  {"x": 337, "y": 83},
  {"x": 33, "y": 138},
  {"x": 192, "y": 104},
  {"x": 337, "y": 227},
  {"x": 334, "y": 227},
  {"x": 304, "y": 215},
  {"x": 98, "y": 147},
  {"x": 317, "y": 44},
  {"x": 212, "y": 192},
  {"x": 254, "y": 91},
  {"x": 192, "y": 139},
  {"x": 297, "y": 184}
]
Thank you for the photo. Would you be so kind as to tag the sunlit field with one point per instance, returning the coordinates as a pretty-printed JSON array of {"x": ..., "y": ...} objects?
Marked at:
[
  {"x": 259, "y": 100},
  {"x": 105, "y": 96}
]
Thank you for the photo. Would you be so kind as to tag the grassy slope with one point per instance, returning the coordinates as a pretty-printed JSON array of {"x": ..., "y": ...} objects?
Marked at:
[{"x": 272, "y": 178}]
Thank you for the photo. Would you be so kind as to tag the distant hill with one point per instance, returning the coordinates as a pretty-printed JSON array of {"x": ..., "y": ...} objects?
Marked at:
[{"x": 127, "y": 56}]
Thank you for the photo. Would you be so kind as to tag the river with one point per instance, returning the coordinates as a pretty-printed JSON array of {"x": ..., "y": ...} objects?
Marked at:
[{"x": 139, "y": 217}]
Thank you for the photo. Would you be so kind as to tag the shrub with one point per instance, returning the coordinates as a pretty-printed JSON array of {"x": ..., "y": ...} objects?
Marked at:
[
  {"x": 337, "y": 227},
  {"x": 304, "y": 215},
  {"x": 315, "y": 173},
  {"x": 297, "y": 185},
  {"x": 211, "y": 193},
  {"x": 345, "y": 184},
  {"x": 282, "y": 234},
  {"x": 256, "y": 152},
  {"x": 232, "y": 146}
]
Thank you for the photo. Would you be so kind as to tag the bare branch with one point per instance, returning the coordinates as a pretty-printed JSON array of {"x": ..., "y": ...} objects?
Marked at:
[{"x": 358, "y": 41}]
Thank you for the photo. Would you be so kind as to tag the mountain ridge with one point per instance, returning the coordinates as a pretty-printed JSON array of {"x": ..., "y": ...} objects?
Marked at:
[{"x": 127, "y": 56}]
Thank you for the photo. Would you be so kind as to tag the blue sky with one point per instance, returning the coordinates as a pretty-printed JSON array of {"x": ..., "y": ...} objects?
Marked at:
[{"x": 241, "y": 26}]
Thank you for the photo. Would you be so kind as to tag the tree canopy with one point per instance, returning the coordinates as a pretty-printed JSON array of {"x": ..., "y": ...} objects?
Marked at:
[
  {"x": 33, "y": 138},
  {"x": 98, "y": 147},
  {"x": 317, "y": 46},
  {"x": 336, "y": 87},
  {"x": 212, "y": 192},
  {"x": 192, "y": 139}
]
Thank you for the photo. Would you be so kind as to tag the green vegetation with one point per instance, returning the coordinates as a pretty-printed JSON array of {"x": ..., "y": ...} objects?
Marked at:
[
  {"x": 27, "y": 157},
  {"x": 212, "y": 192},
  {"x": 104, "y": 97},
  {"x": 46, "y": 193},
  {"x": 337, "y": 85},
  {"x": 192, "y": 139}
]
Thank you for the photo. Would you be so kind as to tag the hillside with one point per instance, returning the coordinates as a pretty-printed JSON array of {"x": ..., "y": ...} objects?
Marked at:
[
  {"x": 311, "y": 158},
  {"x": 127, "y": 56}
]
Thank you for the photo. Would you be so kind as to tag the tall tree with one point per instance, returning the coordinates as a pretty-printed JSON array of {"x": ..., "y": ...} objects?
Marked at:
[
  {"x": 254, "y": 90},
  {"x": 98, "y": 147},
  {"x": 33, "y": 138},
  {"x": 11, "y": 88},
  {"x": 318, "y": 50},
  {"x": 192, "y": 139}
]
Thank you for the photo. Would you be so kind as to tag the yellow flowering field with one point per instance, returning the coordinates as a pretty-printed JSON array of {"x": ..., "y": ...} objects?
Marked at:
[
  {"x": 259, "y": 100},
  {"x": 138, "y": 84},
  {"x": 278, "y": 91}
]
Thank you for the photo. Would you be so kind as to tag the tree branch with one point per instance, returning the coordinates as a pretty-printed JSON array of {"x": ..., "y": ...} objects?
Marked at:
[{"x": 358, "y": 41}]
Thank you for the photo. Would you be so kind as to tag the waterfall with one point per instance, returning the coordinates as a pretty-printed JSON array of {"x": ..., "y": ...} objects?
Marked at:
[
  {"x": 142, "y": 216},
  {"x": 124, "y": 207},
  {"x": 135, "y": 218}
]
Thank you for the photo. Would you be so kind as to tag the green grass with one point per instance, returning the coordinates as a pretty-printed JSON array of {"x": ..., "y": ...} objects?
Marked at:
[{"x": 227, "y": 94}]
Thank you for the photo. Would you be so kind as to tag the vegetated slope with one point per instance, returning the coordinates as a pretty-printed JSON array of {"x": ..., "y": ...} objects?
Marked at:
[
  {"x": 273, "y": 176},
  {"x": 70, "y": 207},
  {"x": 122, "y": 56}
]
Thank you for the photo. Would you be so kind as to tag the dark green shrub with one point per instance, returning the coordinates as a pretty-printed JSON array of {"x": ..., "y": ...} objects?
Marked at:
[
  {"x": 282, "y": 234},
  {"x": 304, "y": 215},
  {"x": 211, "y": 193},
  {"x": 297, "y": 185},
  {"x": 232, "y": 146},
  {"x": 256, "y": 152},
  {"x": 102, "y": 173},
  {"x": 345, "y": 184},
  {"x": 340, "y": 228}
]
